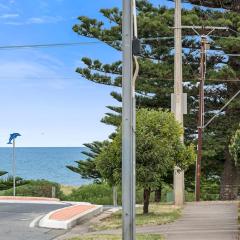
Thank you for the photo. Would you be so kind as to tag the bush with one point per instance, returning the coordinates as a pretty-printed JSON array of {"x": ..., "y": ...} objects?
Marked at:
[
  {"x": 103, "y": 194},
  {"x": 93, "y": 193},
  {"x": 7, "y": 183},
  {"x": 36, "y": 188}
]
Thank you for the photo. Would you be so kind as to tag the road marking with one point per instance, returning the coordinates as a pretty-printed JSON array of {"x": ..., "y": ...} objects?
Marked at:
[{"x": 35, "y": 221}]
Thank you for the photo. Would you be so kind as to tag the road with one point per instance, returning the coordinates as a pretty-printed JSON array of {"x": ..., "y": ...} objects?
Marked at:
[{"x": 15, "y": 219}]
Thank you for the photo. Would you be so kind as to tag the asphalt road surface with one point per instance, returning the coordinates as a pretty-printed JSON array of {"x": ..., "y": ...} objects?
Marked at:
[{"x": 15, "y": 219}]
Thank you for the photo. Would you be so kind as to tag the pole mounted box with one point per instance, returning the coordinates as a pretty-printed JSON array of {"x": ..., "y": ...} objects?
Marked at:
[
  {"x": 136, "y": 47},
  {"x": 176, "y": 97}
]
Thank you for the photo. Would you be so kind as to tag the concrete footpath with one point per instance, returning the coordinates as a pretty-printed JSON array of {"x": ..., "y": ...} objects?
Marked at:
[
  {"x": 203, "y": 221},
  {"x": 199, "y": 221}
]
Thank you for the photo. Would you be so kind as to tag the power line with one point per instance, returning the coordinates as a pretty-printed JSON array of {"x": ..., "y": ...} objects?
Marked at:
[
  {"x": 230, "y": 37},
  {"x": 79, "y": 78},
  {"x": 47, "y": 45},
  {"x": 70, "y": 44},
  {"x": 234, "y": 31},
  {"x": 73, "y": 44}
]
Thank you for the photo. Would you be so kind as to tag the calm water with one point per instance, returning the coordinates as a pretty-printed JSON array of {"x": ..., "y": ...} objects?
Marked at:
[{"x": 43, "y": 163}]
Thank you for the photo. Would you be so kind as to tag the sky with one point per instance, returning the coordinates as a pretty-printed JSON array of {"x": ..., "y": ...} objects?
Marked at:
[{"x": 41, "y": 95}]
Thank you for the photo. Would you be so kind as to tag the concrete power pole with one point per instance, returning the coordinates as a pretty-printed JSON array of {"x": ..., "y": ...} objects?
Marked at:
[
  {"x": 178, "y": 99},
  {"x": 128, "y": 125}
]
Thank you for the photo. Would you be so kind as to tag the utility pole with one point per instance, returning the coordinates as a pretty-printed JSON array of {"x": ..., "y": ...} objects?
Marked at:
[
  {"x": 128, "y": 125},
  {"x": 203, "y": 59},
  {"x": 14, "y": 169},
  {"x": 177, "y": 99},
  {"x": 12, "y": 138},
  {"x": 201, "y": 126}
]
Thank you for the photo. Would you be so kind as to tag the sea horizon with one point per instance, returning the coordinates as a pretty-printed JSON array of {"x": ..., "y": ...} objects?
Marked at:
[{"x": 49, "y": 163}]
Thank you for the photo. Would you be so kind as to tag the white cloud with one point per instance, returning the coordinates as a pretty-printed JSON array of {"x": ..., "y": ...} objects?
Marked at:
[
  {"x": 36, "y": 20},
  {"x": 32, "y": 69},
  {"x": 13, "y": 23},
  {"x": 44, "y": 19},
  {"x": 4, "y": 6},
  {"x": 9, "y": 15}
]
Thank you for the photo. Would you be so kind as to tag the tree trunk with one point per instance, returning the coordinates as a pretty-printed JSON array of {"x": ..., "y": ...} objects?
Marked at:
[
  {"x": 230, "y": 179},
  {"x": 146, "y": 198},
  {"x": 158, "y": 194}
]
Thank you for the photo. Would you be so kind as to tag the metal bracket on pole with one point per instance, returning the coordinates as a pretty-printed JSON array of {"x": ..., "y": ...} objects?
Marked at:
[{"x": 174, "y": 102}]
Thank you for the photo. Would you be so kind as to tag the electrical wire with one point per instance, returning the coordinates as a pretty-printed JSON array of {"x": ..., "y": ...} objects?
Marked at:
[
  {"x": 233, "y": 38},
  {"x": 72, "y": 44},
  {"x": 79, "y": 78},
  {"x": 219, "y": 112},
  {"x": 48, "y": 45},
  {"x": 136, "y": 72}
]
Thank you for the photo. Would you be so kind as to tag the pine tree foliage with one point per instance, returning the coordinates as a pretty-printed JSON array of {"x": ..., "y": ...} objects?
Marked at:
[
  {"x": 233, "y": 5},
  {"x": 2, "y": 173},
  {"x": 155, "y": 82},
  {"x": 87, "y": 167}
]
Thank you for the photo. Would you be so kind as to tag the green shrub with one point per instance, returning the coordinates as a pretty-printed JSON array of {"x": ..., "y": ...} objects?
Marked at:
[
  {"x": 7, "y": 183},
  {"x": 103, "y": 194},
  {"x": 98, "y": 194},
  {"x": 210, "y": 190},
  {"x": 36, "y": 188},
  {"x": 93, "y": 193}
]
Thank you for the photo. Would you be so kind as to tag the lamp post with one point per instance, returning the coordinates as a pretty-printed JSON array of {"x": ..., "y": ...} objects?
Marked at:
[{"x": 12, "y": 139}]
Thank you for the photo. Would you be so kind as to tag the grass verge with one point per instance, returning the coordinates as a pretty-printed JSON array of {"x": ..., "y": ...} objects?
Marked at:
[
  {"x": 116, "y": 237},
  {"x": 158, "y": 214}
]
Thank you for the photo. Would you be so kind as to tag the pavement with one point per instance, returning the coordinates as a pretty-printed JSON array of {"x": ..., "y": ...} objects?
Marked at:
[
  {"x": 199, "y": 221},
  {"x": 203, "y": 221}
]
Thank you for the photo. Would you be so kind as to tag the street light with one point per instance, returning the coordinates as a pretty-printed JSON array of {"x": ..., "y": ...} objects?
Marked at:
[{"x": 12, "y": 138}]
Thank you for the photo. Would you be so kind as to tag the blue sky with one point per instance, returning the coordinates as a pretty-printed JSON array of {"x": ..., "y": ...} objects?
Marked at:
[{"x": 41, "y": 96}]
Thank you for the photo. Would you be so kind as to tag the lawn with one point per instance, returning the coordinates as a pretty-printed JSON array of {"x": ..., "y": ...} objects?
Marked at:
[
  {"x": 116, "y": 237},
  {"x": 158, "y": 214}
]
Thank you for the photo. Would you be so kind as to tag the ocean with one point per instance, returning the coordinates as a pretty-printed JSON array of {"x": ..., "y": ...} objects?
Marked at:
[{"x": 44, "y": 163}]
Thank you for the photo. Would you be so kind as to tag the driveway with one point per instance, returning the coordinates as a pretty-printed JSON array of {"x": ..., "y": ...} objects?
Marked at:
[{"x": 15, "y": 219}]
